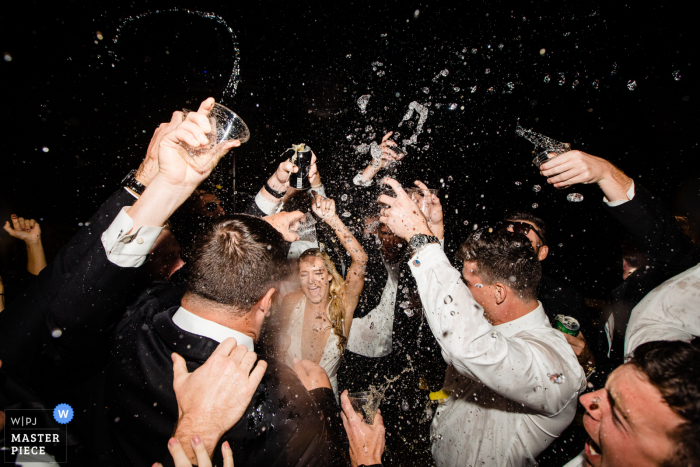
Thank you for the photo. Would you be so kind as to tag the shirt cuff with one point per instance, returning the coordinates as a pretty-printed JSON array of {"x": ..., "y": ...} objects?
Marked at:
[
  {"x": 630, "y": 196},
  {"x": 359, "y": 181},
  {"x": 429, "y": 255},
  {"x": 265, "y": 205},
  {"x": 128, "y": 251},
  {"x": 320, "y": 190}
]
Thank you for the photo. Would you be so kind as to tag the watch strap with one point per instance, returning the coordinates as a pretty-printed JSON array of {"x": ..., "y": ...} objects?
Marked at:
[
  {"x": 132, "y": 184},
  {"x": 275, "y": 193}
]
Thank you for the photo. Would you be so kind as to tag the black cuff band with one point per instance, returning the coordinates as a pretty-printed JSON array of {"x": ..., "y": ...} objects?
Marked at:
[{"x": 275, "y": 193}]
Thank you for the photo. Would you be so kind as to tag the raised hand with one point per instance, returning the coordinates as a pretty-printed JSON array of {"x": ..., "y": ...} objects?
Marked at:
[
  {"x": 312, "y": 376},
  {"x": 214, "y": 397},
  {"x": 27, "y": 230},
  {"x": 366, "y": 441},
  {"x": 388, "y": 154},
  {"x": 282, "y": 222},
  {"x": 323, "y": 207},
  {"x": 192, "y": 131},
  {"x": 433, "y": 211},
  {"x": 403, "y": 216},
  {"x": 149, "y": 167},
  {"x": 279, "y": 181}
]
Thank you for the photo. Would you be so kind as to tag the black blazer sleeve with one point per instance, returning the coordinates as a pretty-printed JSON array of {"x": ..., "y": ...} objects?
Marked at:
[
  {"x": 78, "y": 293},
  {"x": 655, "y": 232}
]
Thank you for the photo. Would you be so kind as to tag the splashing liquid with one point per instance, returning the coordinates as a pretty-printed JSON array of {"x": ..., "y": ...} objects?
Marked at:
[{"x": 232, "y": 84}]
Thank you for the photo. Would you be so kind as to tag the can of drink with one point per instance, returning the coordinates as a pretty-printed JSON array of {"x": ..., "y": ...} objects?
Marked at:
[
  {"x": 301, "y": 159},
  {"x": 567, "y": 325}
]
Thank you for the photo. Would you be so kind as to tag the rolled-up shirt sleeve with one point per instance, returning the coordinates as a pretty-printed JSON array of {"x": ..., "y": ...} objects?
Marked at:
[
  {"x": 514, "y": 367},
  {"x": 630, "y": 197},
  {"x": 124, "y": 249}
]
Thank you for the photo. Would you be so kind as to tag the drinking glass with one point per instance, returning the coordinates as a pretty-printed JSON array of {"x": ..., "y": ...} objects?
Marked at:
[
  {"x": 365, "y": 405},
  {"x": 226, "y": 125},
  {"x": 305, "y": 228}
]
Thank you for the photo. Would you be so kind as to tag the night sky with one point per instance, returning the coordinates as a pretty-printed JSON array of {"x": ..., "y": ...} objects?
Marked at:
[{"x": 79, "y": 110}]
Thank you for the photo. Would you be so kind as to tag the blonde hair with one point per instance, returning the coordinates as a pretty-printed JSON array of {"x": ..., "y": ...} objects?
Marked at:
[{"x": 336, "y": 292}]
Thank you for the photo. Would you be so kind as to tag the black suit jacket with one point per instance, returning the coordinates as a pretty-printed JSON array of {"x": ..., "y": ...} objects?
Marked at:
[
  {"x": 126, "y": 409},
  {"x": 657, "y": 234}
]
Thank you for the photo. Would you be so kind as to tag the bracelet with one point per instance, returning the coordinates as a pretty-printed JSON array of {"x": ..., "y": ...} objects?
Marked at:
[
  {"x": 317, "y": 186},
  {"x": 275, "y": 193}
]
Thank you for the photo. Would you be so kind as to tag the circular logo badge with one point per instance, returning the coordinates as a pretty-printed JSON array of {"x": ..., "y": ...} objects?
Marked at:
[{"x": 63, "y": 413}]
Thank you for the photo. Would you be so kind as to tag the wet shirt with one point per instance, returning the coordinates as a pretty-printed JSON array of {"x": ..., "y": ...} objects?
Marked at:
[
  {"x": 515, "y": 385},
  {"x": 669, "y": 312}
]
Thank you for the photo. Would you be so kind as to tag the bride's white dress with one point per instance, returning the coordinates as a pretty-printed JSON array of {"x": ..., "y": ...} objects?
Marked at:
[{"x": 330, "y": 361}]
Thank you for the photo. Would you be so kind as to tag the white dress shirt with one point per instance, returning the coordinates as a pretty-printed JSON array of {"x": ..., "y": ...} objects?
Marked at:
[
  {"x": 506, "y": 408},
  {"x": 130, "y": 251},
  {"x": 670, "y": 312}
]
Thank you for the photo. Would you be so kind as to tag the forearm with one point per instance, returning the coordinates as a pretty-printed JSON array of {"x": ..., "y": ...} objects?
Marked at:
[
  {"x": 370, "y": 171},
  {"x": 157, "y": 203},
  {"x": 187, "y": 427},
  {"x": 615, "y": 184},
  {"x": 348, "y": 240},
  {"x": 36, "y": 260}
]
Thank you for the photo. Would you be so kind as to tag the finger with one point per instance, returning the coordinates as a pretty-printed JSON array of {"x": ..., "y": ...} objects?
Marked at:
[
  {"x": 348, "y": 411},
  {"x": 238, "y": 354},
  {"x": 227, "y": 453},
  {"x": 559, "y": 168},
  {"x": 557, "y": 161},
  {"x": 32, "y": 223},
  {"x": 567, "y": 177},
  {"x": 200, "y": 452},
  {"x": 385, "y": 220},
  {"x": 309, "y": 366},
  {"x": 390, "y": 153},
  {"x": 257, "y": 374},
  {"x": 201, "y": 122},
  {"x": 226, "y": 347},
  {"x": 22, "y": 223},
  {"x": 386, "y": 199},
  {"x": 8, "y": 229},
  {"x": 346, "y": 422},
  {"x": 313, "y": 158},
  {"x": 178, "y": 454},
  {"x": 421, "y": 185},
  {"x": 295, "y": 216},
  {"x": 312, "y": 172},
  {"x": 15, "y": 222},
  {"x": 248, "y": 361},
  {"x": 175, "y": 120},
  {"x": 398, "y": 189},
  {"x": 317, "y": 199},
  {"x": 286, "y": 167},
  {"x": 183, "y": 135},
  {"x": 179, "y": 367},
  {"x": 387, "y": 136},
  {"x": 206, "y": 106},
  {"x": 290, "y": 237}
]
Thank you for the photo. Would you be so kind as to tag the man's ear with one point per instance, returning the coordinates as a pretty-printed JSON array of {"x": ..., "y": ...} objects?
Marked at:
[
  {"x": 501, "y": 292},
  {"x": 265, "y": 303},
  {"x": 542, "y": 253}
]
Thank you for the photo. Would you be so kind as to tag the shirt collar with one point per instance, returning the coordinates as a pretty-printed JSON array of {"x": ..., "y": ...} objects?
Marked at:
[
  {"x": 190, "y": 322},
  {"x": 534, "y": 319}
]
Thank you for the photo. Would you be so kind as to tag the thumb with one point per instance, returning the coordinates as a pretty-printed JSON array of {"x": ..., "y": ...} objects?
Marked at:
[{"x": 179, "y": 368}]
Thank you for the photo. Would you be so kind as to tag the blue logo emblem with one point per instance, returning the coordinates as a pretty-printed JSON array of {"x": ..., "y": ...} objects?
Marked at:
[{"x": 63, "y": 413}]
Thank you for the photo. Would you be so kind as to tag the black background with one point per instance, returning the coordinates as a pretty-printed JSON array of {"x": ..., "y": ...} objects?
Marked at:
[{"x": 303, "y": 66}]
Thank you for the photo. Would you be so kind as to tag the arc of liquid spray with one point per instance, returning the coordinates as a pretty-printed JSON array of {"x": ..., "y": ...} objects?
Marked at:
[{"x": 232, "y": 84}]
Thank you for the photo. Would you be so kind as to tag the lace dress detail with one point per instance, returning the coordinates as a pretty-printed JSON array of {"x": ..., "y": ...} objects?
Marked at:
[{"x": 330, "y": 360}]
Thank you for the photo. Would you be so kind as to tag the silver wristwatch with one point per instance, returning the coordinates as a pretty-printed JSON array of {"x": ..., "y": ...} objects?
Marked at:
[{"x": 418, "y": 241}]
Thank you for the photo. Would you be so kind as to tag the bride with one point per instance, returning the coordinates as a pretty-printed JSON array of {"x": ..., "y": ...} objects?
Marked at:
[{"x": 315, "y": 320}]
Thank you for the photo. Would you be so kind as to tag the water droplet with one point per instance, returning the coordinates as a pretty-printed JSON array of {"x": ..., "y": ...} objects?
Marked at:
[
  {"x": 426, "y": 90},
  {"x": 562, "y": 79},
  {"x": 535, "y": 205},
  {"x": 466, "y": 222},
  {"x": 537, "y": 388},
  {"x": 547, "y": 79},
  {"x": 348, "y": 56},
  {"x": 487, "y": 71},
  {"x": 543, "y": 51},
  {"x": 404, "y": 406},
  {"x": 45, "y": 149},
  {"x": 456, "y": 89},
  {"x": 500, "y": 46},
  {"x": 144, "y": 327},
  {"x": 631, "y": 85},
  {"x": 677, "y": 75},
  {"x": 473, "y": 51},
  {"x": 56, "y": 333},
  {"x": 478, "y": 286},
  {"x": 116, "y": 420},
  {"x": 512, "y": 278},
  {"x": 346, "y": 214},
  {"x": 448, "y": 300},
  {"x": 473, "y": 89},
  {"x": 518, "y": 183},
  {"x": 536, "y": 188},
  {"x": 452, "y": 106},
  {"x": 349, "y": 137},
  {"x": 494, "y": 334},
  {"x": 574, "y": 197},
  {"x": 595, "y": 83},
  {"x": 7, "y": 57},
  {"x": 510, "y": 86},
  {"x": 452, "y": 313}
]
